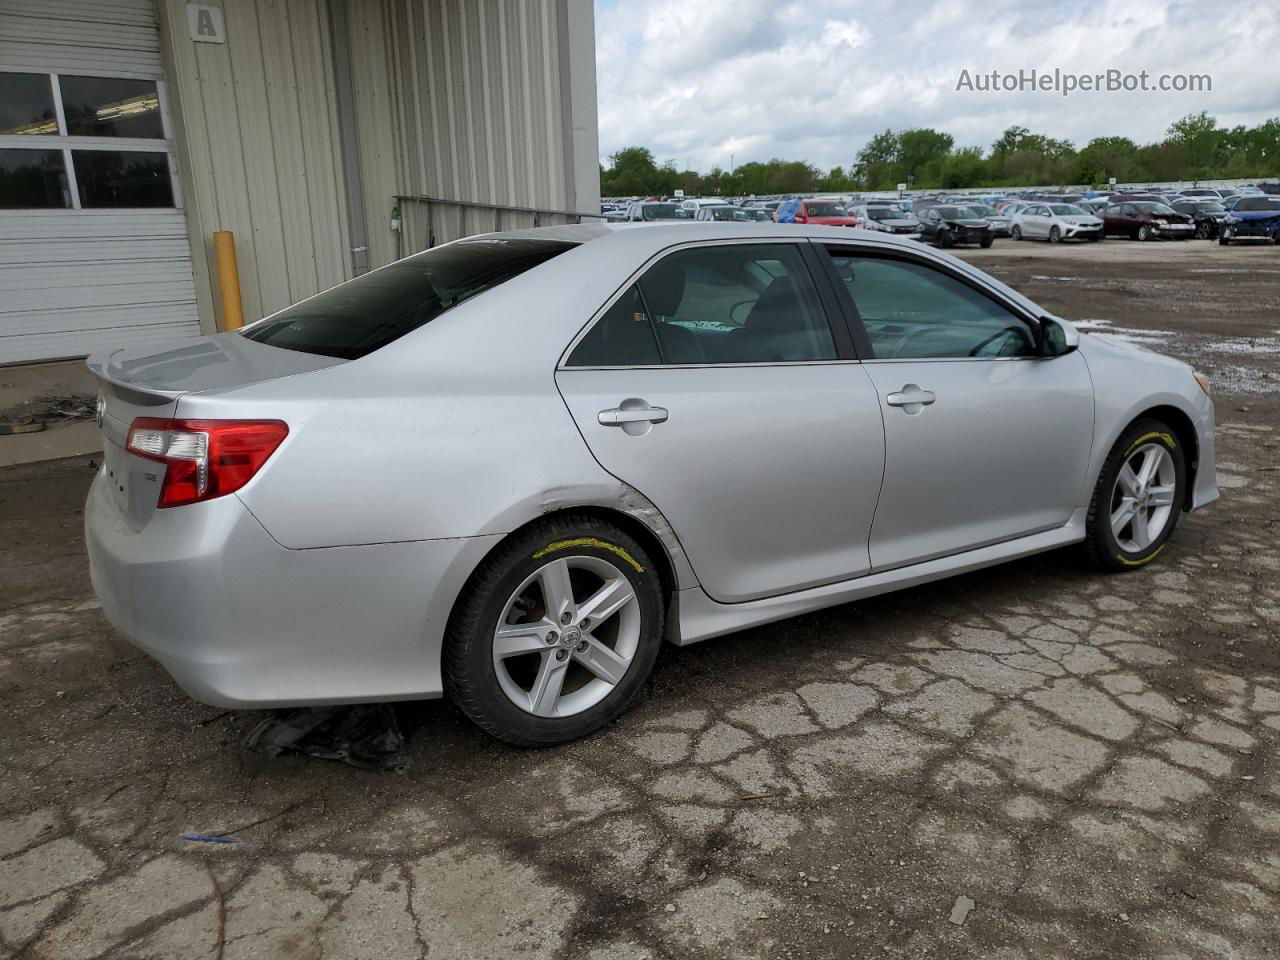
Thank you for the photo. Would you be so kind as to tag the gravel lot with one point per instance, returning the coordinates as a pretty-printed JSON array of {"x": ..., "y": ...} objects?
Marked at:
[{"x": 1090, "y": 763}]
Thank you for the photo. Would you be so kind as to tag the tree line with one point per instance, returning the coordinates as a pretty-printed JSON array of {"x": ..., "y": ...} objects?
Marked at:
[{"x": 1194, "y": 148}]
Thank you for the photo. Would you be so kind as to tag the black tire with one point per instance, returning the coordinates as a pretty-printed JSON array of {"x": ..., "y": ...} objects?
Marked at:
[
  {"x": 470, "y": 674},
  {"x": 1055, "y": 235},
  {"x": 1146, "y": 233},
  {"x": 1203, "y": 230},
  {"x": 946, "y": 238},
  {"x": 986, "y": 241},
  {"x": 1224, "y": 238},
  {"x": 1101, "y": 544},
  {"x": 1015, "y": 232}
]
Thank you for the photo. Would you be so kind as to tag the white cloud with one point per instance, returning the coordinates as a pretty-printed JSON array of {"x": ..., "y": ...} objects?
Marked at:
[{"x": 700, "y": 80}]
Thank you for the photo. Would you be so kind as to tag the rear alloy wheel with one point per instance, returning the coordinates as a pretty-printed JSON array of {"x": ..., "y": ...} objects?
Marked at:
[
  {"x": 1055, "y": 235},
  {"x": 556, "y": 632},
  {"x": 1145, "y": 232},
  {"x": 1138, "y": 498}
]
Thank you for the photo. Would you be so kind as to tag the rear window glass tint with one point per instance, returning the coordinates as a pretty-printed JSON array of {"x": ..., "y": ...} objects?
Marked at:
[{"x": 369, "y": 312}]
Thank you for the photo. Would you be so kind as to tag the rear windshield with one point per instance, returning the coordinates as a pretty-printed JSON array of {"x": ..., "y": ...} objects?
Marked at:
[{"x": 365, "y": 314}]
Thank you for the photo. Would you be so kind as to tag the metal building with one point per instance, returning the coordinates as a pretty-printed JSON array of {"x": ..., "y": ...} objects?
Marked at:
[{"x": 132, "y": 130}]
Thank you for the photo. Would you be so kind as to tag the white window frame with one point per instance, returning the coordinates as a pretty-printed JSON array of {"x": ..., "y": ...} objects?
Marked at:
[{"x": 66, "y": 143}]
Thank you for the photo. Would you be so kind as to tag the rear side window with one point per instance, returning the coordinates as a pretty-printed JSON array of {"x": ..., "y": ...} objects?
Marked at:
[
  {"x": 367, "y": 313},
  {"x": 622, "y": 337}
]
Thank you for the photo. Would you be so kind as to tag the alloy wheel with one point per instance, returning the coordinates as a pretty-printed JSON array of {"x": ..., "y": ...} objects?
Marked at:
[
  {"x": 567, "y": 636},
  {"x": 1142, "y": 500}
]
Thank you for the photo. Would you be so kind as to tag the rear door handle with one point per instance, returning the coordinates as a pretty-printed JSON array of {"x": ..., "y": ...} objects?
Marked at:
[
  {"x": 911, "y": 396},
  {"x": 620, "y": 416}
]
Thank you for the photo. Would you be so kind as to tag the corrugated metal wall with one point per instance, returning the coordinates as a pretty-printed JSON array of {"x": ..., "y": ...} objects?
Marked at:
[
  {"x": 466, "y": 99},
  {"x": 260, "y": 149}
]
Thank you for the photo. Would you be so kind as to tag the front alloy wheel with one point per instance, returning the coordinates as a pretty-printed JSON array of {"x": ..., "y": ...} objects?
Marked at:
[
  {"x": 1055, "y": 235},
  {"x": 1138, "y": 497},
  {"x": 556, "y": 631},
  {"x": 1145, "y": 232}
]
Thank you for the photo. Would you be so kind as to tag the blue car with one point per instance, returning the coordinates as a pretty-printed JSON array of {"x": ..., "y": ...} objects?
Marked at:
[{"x": 1252, "y": 218}]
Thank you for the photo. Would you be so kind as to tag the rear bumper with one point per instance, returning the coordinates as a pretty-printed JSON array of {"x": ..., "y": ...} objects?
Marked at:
[{"x": 239, "y": 621}]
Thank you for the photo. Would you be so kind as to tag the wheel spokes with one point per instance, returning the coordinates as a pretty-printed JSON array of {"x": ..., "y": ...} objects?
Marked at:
[
  {"x": 605, "y": 602},
  {"x": 545, "y": 693},
  {"x": 515, "y": 639},
  {"x": 1122, "y": 516},
  {"x": 602, "y": 661},
  {"x": 1151, "y": 458},
  {"x": 1140, "y": 529},
  {"x": 1161, "y": 496},
  {"x": 557, "y": 591},
  {"x": 1128, "y": 481}
]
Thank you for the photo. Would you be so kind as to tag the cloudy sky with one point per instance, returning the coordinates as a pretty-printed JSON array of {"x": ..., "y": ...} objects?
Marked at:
[{"x": 699, "y": 80}]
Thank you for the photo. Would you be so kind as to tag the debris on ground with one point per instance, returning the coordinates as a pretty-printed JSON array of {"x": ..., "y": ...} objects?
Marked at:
[
  {"x": 208, "y": 838},
  {"x": 366, "y": 736},
  {"x": 960, "y": 910},
  {"x": 35, "y": 414}
]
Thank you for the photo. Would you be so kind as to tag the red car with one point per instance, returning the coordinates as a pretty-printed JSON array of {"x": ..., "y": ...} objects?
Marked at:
[{"x": 829, "y": 213}]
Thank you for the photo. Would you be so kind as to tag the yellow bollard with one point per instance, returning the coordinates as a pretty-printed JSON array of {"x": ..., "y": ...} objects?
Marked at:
[{"x": 224, "y": 249}]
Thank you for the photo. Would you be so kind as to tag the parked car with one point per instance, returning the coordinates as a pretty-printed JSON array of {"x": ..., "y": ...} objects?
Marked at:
[
  {"x": 725, "y": 213},
  {"x": 657, "y": 210},
  {"x": 1207, "y": 192},
  {"x": 1000, "y": 223},
  {"x": 1206, "y": 214},
  {"x": 507, "y": 468},
  {"x": 948, "y": 226},
  {"x": 694, "y": 204},
  {"x": 1146, "y": 220},
  {"x": 887, "y": 218},
  {"x": 1055, "y": 222},
  {"x": 1252, "y": 218},
  {"x": 830, "y": 213}
]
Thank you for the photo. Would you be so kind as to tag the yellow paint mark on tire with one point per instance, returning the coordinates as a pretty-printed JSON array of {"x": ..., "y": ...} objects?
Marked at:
[
  {"x": 588, "y": 542},
  {"x": 1145, "y": 560},
  {"x": 1154, "y": 435}
]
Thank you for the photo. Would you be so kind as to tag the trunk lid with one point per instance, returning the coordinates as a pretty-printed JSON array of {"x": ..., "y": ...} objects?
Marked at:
[{"x": 147, "y": 382}]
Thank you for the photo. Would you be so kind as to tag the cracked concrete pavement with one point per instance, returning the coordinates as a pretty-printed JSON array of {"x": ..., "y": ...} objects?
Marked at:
[{"x": 1093, "y": 761}]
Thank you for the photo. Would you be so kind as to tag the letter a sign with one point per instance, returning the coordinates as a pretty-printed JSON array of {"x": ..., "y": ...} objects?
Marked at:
[{"x": 206, "y": 24}]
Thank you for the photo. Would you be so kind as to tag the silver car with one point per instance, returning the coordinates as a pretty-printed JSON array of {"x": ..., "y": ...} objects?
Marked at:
[
  {"x": 1055, "y": 222},
  {"x": 508, "y": 468}
]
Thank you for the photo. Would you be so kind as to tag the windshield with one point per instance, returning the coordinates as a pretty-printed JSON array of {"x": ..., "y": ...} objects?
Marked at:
[
  {"x": 885, "y": 213},
  {"x": 356, "y": 318},
  {"x": 956, "y": 213},
  {"x": 982, "y": 210},
  {"x": 1258, "y": 203},
  {"x": 1209, "y": 206},
  {"x": 1067, "y": 210},
  {"x": 825, "y": 210},
  {"x": 750, "y": 215},
  {"x": 724, "y": 213},
  {"x": 663, "y": 211},
  {"x": 1150, "y": 206}
]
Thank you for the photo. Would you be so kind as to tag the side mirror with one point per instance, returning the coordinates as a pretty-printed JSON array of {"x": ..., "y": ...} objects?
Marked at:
[{"x": 1057, "y": 338}]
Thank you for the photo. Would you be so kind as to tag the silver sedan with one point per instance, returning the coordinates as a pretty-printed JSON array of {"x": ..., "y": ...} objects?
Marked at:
[{"x": 506, "y": 469}]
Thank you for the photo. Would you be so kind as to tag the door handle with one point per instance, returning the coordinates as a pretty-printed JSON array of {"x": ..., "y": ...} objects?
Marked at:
[
  {"x": 621, "y": 416},
  {"x": 911, "y": 396}
]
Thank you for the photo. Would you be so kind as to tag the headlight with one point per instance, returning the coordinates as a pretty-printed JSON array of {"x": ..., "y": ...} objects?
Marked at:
[{"x": 1203, "y": 380}]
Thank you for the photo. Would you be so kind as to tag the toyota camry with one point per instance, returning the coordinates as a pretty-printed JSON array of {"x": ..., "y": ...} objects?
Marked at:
[{"x": 508, "y": 468}]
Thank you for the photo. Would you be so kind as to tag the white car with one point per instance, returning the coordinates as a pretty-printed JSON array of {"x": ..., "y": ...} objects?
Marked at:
[
  {"x": 887, "y": 218},
  {"x": 1055, "y": 222},
  {"x": 694, "y": 204}
]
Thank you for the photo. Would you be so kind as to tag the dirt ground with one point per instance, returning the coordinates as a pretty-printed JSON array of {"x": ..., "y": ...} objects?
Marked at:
[{"x": 1088, "y": 765}]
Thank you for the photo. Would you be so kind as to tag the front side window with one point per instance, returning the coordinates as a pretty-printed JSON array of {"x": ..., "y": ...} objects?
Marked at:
[
  {"x": 362, "y": 315},
  {"x": 914, "y": 312},
  {"x": 722, "y": 303}
]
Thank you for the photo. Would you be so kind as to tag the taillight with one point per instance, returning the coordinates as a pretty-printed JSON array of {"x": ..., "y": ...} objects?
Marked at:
[{"x": 204, "y": 458}]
